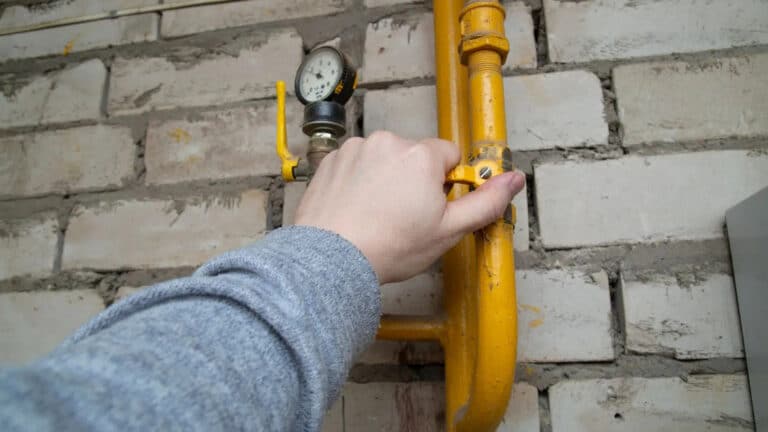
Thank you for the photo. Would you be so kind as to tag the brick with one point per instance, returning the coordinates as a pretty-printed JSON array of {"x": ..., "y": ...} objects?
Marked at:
[
  {"x": 126, "y": 291},
  {"x": 170, "y": 234},
  {"x": 69, "y": 95},
  {"x": 563, "y": 109},
  {"x": 644, "y": 199},
  {"x": 394, "y": 406},
  {"x": 291, "y": 199},
  {"x": 63, "y": 161},
  {"x": 34, "y": 323},
  {"x": 607, "y": 29},
  {"x": 522, "y": 411},
  {"x": 155, "y": 83},
  {"x": 79, "y": 37},
  {"x": 385, "y": 3},
  {"x": 691, "y": 319},
  {"x": 679, "y": 101},
  {"x": 420, "y": 406},
  {"x": 200, "y": 19},
  {"x": 390, "y": 40},
  {"x": 334, "y": 418},
  {"x": 420, "y": 295},
  {"x": 220, "y": 144},
  {"x": 701, "y": 402},
  {"x": 563, "y": 316},
  {"x": 28, "y": 247},
  {"x": 17, "y": 16}
]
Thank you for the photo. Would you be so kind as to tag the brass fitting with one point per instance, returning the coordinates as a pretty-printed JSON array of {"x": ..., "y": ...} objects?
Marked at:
[{"x": 482, "y": 28}]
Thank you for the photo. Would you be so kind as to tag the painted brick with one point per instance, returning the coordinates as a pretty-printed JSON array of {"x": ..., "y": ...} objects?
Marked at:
[
  {"x": 200, "y": 19},
  {"x": 28, "y": 247},
  {"x": 705, "y": 402},
  {"x": 420, "y": 406},
  {"x": 162, "y": 234},
  {"x": 34, "y": 323},
  {"x": 390, "y": 40},
  {"x": 644, "y": 199},
  {"x": 68, "y": 95},
  {"x": 696, "y": 320},
  {"x": 608, "y": 29},
  {"x": 156, "y": 83},
  {"x": 221, "y": 144},
  {"x": 79, "y": 159},
  {"x": 563, "y": 109},
  {"x": 17, "y": 16},
  {"x": 678, "y": 101},
  {"x": 79, "y": 37},
  {"x": 564, "y": 316}
]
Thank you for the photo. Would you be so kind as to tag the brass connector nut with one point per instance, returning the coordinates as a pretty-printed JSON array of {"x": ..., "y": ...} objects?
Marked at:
[{"x": 482, "y": 28}]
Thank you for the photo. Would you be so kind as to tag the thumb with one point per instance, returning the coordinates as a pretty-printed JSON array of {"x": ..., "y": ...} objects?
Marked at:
[{"x": 482, "y": 206}]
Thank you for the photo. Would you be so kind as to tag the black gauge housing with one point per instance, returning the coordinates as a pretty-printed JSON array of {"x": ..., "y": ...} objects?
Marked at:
[{"x": 344, "y": 86}]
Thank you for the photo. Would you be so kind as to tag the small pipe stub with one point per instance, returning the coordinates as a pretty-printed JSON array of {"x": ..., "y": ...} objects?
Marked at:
[{"x": 324, "y": 116}]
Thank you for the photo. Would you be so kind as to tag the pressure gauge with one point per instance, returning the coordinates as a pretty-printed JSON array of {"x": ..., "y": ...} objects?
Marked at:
[{"x": 325, "y": 75}]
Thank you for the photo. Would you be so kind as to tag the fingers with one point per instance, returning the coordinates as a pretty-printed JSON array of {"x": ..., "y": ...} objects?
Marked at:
[
  {"x": 444, "y": 151},
  {"x": 482, "y": 206}
]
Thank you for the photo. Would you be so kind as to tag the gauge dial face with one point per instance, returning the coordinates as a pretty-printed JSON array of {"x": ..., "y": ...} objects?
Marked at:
[{"x": 320, "y": 75}]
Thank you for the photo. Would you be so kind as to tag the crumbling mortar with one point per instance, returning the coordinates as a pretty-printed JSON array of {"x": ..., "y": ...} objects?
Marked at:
[{"x": 545, "y": 415}]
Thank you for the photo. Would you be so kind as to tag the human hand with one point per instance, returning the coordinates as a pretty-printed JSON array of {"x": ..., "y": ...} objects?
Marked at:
[{"x": 385, "y": 195}]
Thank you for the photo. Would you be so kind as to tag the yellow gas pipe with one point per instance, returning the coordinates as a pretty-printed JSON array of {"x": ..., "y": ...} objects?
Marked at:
[{"x": 478, "y": 329}]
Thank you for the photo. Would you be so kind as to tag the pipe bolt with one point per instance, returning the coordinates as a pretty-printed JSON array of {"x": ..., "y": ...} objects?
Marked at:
[{"x": 485, "y": 173}]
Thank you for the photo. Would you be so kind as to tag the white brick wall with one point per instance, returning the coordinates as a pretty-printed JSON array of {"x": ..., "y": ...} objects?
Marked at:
[
  {"x": 563, "y": 316},
  {"x": 79, "y": 37},
  {"x": 195, "y": 20},
  {"x": 390, "y": 40},
  {"x": 78, "y": 159},
  {"x": 162, "y": 233},
  {"x": 545, "y": 111},
  {"x": 697, "y": 320},
  {"x": 712, "y": 403},
  {"x": 34, "y": 323},
  {"x": 420, "y": 406},
  {"x": 72, "y": 94},
  {"x": 563, "y": 109},
  {"x": 643, "y": 199},
  {"x": 606, "y": 29},
  {"x": 17, "y": 16},
  {"x": 155, "y": 83},
  {"x": 28, "y": 246},
  {"x": 220, "y": 144},
  {"x": 679, "y": 101}
]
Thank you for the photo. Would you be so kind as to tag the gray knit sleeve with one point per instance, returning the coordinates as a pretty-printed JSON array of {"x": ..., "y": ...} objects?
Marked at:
[{"x": 257, "y": 339}]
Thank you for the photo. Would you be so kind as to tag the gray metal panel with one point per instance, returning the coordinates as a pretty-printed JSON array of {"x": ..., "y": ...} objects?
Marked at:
[{"x": 748, "y": 234}]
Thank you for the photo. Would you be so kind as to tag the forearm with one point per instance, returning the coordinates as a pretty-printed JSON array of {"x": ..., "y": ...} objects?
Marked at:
[{"x": 258, "y": 339}]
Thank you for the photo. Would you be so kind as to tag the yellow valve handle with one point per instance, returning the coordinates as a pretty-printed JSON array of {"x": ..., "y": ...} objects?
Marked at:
[{"x": 288, "y": 160}]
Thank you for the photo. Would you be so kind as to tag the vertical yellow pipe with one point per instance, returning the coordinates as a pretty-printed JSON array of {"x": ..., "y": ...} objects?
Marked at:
[
  {"x": 483, "y": 49},
  {"x": 458, "y": 264}
]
